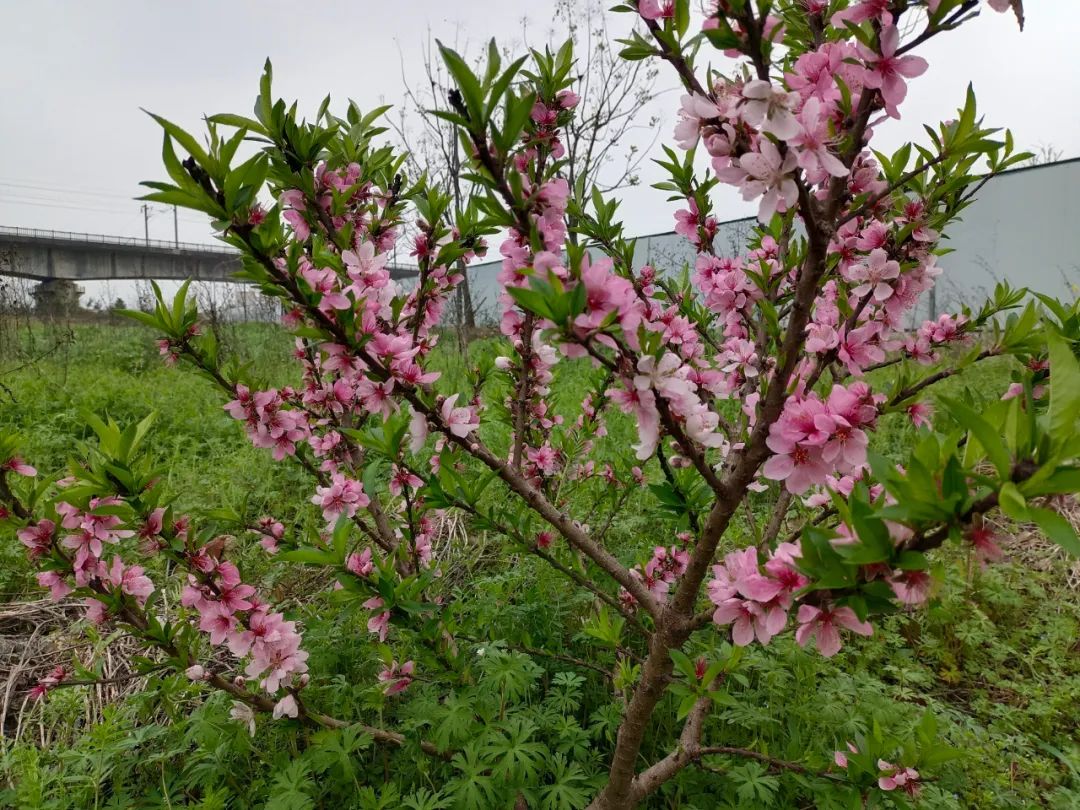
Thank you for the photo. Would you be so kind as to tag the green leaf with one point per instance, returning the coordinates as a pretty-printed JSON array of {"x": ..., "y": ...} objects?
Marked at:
[
  {"x": 1064, "y": 387},
  {"x": 1012, "y": 503},
  {"x": 238, "y": 121},
  {"x": 309, "y": 556},
  {"x": 989, "y": 438},
  {"x": 466, "y": 82},
  {"x": 1056, "y": 528},
  {"x": 683, "y": 664},
  {"x": 183, "y": 138}
]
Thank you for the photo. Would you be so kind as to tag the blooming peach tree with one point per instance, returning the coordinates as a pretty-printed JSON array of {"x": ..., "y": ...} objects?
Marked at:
[{"x": 752, "y": 385}]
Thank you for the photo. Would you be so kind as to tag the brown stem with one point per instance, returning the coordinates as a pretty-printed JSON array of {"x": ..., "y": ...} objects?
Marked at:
[{"x": 944, "y": 374}]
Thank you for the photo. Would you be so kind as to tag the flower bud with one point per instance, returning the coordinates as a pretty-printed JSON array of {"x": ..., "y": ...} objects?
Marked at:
[{"x": 196, "y": 673}]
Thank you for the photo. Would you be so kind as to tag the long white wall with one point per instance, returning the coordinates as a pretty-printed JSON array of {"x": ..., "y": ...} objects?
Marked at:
[{"x": 1024, "y": 227}]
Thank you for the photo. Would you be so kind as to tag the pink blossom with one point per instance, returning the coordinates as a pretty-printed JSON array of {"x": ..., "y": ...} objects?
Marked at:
[
  {"x": 1014, "y": 390},
  {"x": 55, "y": 677},
  {"x": 896, "y": 776},
  {"x": 863, "y": 10},
  {"x": 840, "y": 758},
  {"x": 886, "y": 71},
  {"x": 286, "y": 707},
  {"x": 983, "y": 541},
  {"x": 643, "y": 405},
  {"x": 342, "y": 497},
  {"x": 544, "y": 458},
  {"x": 920, "y": 413},
  {"x": 911, "y": 587},
  {"x": 567, "y": 99},
  {"x": 460, "y": 421},
  {"x": 131, "y": 580},
  {"x": 378, "y": 623},
  {"x": 18, "y": 466},
  {"x": 57, "y": 585},
  {"x": 770, "y": 109},
  {"x": 695, "y": 109},
  {"x": 37, "y": 537},
  {"x": 874, "y": 276},
  {"x": 397, "y": 679},
  {"x": 765, "y": 174},
  {"x": 218, "y": 622},
  {"x": 811, "y": 143},
  {"x": 360, "y": 564},
  {"x": 824, "y": 623},
  {"x": 418, "y": 431},
  {"x": 798, "y": 465},
  {"x": 402, "y": 478},
  {"x": 749, "y": 619},
  {"x": 656, "y": 10},
  {"x": 860, "y": 347},
  {"x": 96, "y": 612},
  {"x": 687, "y": 221}
]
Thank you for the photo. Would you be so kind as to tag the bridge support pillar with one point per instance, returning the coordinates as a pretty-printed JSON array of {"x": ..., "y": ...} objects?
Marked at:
[{"x": 57, "y": 297}]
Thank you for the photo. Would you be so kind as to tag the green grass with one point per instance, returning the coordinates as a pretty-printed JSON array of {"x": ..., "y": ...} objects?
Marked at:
[{"x": 995, "y": 656}]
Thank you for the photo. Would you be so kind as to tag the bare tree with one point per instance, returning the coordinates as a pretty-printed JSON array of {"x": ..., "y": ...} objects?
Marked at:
[
  {"x": 1045, "y": 153},
  {"x": 611, "y": 135},
  {"x": 433, "y": 148},
  {"x": 609, "y": 138}
]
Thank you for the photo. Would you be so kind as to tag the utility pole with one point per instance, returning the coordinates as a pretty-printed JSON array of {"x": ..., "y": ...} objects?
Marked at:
[
  {"x": 146, "y": 222},
  {"x": 176, "y": 228}
]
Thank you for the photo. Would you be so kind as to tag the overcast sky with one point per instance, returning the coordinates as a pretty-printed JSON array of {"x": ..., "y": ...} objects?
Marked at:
[{"x": 75, "y": 74}]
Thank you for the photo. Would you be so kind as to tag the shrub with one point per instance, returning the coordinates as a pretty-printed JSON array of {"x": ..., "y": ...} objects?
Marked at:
[{"x": 736, "y": 406}]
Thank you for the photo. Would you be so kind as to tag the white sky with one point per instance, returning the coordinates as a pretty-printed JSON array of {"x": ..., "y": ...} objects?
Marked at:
[{"x": 74, "y": 75}]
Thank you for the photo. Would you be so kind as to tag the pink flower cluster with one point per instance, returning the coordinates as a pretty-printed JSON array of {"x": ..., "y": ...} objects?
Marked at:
[
  {"x": 934, "y": 334},
  {"x": 343, "y": 496},
  {"x": 890, "y": 776},
  {"x": 396, "y": 679},
  {"x": 270, "y": 534},
  {"x": 661, "y": 571},
  {"x": 676, "y": 383},
  {"x": 755, "y": 600},
  {"x": 55, "y": 677},
  {"x": 232, "y": 615},
  {"x": 813, "y": 439},
  {"x": 268, "y": 422},
  {"x": 90, "y": 532},
  {"x": 824, "y": 624}
]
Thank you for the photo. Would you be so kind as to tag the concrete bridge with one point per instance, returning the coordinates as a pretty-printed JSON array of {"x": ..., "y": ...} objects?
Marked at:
[{"x": 59, "y": 255}]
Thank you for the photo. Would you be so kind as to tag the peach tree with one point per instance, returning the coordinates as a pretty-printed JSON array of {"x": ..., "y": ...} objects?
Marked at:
[{"x": 738, "y": 399}]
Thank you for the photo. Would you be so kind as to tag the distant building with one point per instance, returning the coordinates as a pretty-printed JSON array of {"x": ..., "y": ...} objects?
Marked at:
[{"x": 1024, "y": 228}]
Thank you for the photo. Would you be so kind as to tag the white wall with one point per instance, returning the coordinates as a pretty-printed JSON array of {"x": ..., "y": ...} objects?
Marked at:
[{"x": 1023, "y": 227}]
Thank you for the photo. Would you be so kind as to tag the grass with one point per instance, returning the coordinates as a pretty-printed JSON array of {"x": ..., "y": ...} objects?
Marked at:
[{"x": 995, "y": 655}]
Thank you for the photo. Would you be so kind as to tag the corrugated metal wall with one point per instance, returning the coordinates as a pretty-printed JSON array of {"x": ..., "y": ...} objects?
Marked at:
[{"x": 1024, "y": 227}]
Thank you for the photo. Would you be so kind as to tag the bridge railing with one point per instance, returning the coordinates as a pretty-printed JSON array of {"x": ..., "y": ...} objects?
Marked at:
[{"x": 124, "y": 241}]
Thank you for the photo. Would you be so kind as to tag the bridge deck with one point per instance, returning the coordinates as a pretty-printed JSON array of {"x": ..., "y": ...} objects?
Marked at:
[{"x": 43, "y": 255}]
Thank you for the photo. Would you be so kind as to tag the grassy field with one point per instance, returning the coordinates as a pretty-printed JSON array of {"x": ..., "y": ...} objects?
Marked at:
[{"x": 995, "y": 655}]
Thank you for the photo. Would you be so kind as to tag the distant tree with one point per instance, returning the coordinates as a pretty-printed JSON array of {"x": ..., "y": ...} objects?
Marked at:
[
  {"x": 605, "y": 141},
  {"x": 1044, "y": 154}
]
